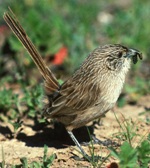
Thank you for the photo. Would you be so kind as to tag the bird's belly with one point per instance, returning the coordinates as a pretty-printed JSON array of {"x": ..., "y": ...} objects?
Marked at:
[{"x": 90, "y": 114}]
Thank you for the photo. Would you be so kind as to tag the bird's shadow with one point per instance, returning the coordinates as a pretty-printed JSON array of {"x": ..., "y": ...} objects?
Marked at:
[
  {"x": 53, "y": 137},
  {"x": 56, "y": 137}
]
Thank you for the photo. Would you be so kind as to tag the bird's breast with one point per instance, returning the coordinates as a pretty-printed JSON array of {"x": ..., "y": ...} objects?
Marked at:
[{"x": 111, "y": 87}]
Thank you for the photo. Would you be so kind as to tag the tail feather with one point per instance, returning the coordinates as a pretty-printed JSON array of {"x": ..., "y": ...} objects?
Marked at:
[{"x": 51, "y": 83}]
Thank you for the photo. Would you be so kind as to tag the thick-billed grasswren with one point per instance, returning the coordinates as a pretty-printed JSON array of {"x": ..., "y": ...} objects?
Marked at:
[{"x": 91, "y": 91}]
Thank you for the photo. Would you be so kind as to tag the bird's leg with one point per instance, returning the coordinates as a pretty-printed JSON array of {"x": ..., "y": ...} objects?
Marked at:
[
  {"x": 77, "y": 144},
  {"x": 86, "y": 157}
]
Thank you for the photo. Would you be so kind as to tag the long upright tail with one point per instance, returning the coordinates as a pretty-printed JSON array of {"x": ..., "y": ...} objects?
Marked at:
[{"x": 51, "y": 83}]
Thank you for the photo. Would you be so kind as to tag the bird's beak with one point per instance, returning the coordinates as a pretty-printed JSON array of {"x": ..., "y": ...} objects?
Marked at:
[{"x": 134, "y": 55}]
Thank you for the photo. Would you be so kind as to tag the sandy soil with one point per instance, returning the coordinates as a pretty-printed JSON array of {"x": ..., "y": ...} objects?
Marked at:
[{"x": 29, "y": 143}]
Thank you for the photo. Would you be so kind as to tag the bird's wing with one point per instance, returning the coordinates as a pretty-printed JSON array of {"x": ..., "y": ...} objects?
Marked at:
[{"x": 75, "y": 95}]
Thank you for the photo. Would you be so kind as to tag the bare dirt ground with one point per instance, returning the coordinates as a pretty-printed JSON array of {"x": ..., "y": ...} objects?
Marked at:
[{"x": 29, "y": 143}]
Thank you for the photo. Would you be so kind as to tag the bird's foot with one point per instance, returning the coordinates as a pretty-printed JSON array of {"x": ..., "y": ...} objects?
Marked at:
[
  {"x": 88, "y": 158},
  {"x": 107, "y": 142}
]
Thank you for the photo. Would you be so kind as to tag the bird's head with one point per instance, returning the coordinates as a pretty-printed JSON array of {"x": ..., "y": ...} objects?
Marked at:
[{"x": 118, "y": 56}]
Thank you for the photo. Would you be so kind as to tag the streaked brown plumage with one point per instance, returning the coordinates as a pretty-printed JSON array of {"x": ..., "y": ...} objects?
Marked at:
[{"x": 92, "y": 90}]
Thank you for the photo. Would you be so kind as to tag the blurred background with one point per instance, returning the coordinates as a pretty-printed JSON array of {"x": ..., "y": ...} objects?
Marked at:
[{"x": 65, "y": 32}]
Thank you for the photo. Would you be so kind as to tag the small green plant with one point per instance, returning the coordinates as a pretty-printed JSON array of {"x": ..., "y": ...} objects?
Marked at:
[
  {"x": 94, "y": 159},
  {"x": 127, "y": 156},
  {"x": 128, "y": 130},
  {"x": 133, "y": 157},
  {"x": 17, "y": 126},
  {"x": 33, "y": 100},
  {"x": 45, "y": 163},
  {"x": 7, "y": 99},
  {"x": 131, "y": 154},
  {"x": 144, "y": 153},
  {"x": 8, "y": 105}
]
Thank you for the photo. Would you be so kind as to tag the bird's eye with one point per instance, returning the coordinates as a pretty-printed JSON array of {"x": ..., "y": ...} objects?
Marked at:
[{"x": 120, "y": 54}]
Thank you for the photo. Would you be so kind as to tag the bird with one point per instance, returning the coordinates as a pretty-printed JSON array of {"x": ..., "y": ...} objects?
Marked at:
[{"x": 91, "y": 91}]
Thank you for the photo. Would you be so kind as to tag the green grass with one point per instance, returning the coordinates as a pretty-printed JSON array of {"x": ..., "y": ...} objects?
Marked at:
[
  {"x": 133, "y": 157},
  {"x": 134, "y": 150},
  {"x": 131, "y": 154},
  {"x": 45, "y": 163},
  {"x": 10, "y": 104}
]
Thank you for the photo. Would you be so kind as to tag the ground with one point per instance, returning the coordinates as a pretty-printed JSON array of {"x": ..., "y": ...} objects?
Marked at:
[{"x": 29, "y": 143}]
